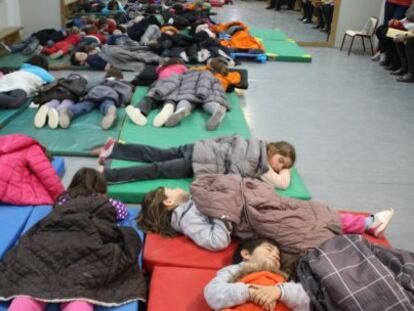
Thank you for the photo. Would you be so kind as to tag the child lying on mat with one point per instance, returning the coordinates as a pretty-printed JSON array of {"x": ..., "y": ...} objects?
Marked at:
[
  {"x": 270, "y": 162},
  {"x": 107, "y": 95},
  {"x": 16, "y": 86},
  {"x": 62, "y": 48},
  {"x": 57, "y": 96},
  {"x": 221, "y": 206},
  {"x": 73, "y": 245},
  {"x": 255, "y": 282},
  {"x": 167, "y": 68}
]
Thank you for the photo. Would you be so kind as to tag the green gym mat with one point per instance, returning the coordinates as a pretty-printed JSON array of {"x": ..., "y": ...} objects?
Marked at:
[
  {"x": 15, "y": 60},
  {"x": 267, "y": 33},
  {"x": 286, "y": 51},
  {"x": 189, "y": 131},
  {"x": 83, "y": 134},
  {"x": 7, "y": 115}
]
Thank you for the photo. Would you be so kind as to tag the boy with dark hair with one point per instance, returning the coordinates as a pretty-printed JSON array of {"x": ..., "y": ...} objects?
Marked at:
[{"x": 255, "y": 278}]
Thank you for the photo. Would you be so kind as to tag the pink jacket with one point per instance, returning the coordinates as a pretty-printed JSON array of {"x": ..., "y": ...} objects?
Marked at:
[
  {"x": 27, "y": 176},
  {"x": 166, "y": 72}
]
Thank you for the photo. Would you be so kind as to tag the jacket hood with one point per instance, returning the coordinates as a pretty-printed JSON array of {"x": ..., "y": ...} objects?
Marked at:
[{"x": 13, "y": 142}]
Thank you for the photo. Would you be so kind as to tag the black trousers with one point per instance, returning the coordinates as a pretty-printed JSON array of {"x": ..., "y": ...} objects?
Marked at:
[
  {"x": 12, "y": 99},
  {"x": 406, "y": 53},
  {"x": 327, "y": 12},
  {"x": 387, "y": 45},
  {"x": 171, "y": 163}
]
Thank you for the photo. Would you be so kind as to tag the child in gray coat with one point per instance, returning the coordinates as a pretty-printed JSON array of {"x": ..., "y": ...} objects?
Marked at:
[{"x": 107, "y": 95}]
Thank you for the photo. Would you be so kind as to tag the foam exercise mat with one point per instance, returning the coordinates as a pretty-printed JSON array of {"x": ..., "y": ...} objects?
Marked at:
[
  {"x": 15, "y": 60},
  {"x": 83, "y": 134},
  {"x": 286, "y": 51},
  {"x": 189, "y": 131},
  {"x": 269, "y": 33},
  {"x": 7, "y": 115}
]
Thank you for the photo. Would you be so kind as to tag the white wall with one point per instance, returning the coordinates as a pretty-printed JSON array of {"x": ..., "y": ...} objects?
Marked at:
[
  {"x": 39, "y": 14},
  {"x": 354, "y": 14},
  {"x": 9, "y": 13}
]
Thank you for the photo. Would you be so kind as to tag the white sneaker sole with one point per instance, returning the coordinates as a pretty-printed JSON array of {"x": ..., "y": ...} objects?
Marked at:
[
  {"x": 136, "y": 116},
  {"x": 40, "y": 117},
  {"x": 381, "y": 228},
  {"x": 52, "y": 118}
]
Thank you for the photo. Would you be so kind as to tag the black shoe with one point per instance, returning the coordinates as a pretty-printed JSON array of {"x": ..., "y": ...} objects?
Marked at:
[
  {"x": 392, "y": 67},
  {"x": 301, "y": 19},
  {"x": 408, "y": 77},
  {"x": 385, "y": 62},
  {"x": 270, "y": 7},
  {"x": 307, "y": 21},
  {"x": 399, "y": 72}
]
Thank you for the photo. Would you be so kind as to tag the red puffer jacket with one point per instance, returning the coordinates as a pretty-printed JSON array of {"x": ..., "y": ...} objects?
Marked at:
[{"x": 26, "y": 174}]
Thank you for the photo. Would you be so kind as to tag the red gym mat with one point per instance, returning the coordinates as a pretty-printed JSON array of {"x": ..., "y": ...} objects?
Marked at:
[
  {"x": 182, "y": 252},
  {"x": 179, "y": 289}
]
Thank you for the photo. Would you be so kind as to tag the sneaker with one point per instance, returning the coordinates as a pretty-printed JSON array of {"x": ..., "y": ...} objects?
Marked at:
[
  {"x": 106, "y": 150},
  {"x": 4, "y": 49},
  {"x": 64, "y": 118},
  {"x": 376, "y": 57},
  {"x": 56, "y": 55},
  {"x": 381, "y": 220},
  {"x": 163, "y": 115},
  {"x": 36, "y": 51},
  {"x": 214, "y": 121},
  {"x": 109, "y": 118},
  {"x": 40, "y": 117},
  {"x": 135, "y": 115},
  {"x": 177, "y": 117},
  {"x": 52, "y": 118}
]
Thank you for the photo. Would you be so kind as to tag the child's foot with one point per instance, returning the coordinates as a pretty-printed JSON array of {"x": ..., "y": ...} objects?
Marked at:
[
  {"x": 106, "y": 150},
  {"x": 163, "y": 115},
  {"x": 135, "y": 115},
  {"x": 40, "y": 117},
  {"x": 52, "y": 118},
  {"x": 215, "y": 119},
  {"x": 177, "y": 117},
  {"x": 109, "y": 118},
  {"x": 381, "y": 220},
  {"x": 64, "y": 118},
  {"x": 56, "y": 55},
  {"x": 38, "y": 50},
  {"x": 101, "y": 169}
]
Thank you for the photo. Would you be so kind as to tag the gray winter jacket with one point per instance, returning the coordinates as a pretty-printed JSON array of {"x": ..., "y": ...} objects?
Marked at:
[
  {"x": 198, "y": 87},
  {"x": 230, "y": 155},
  {"x": 221, "y": 293},
  {"x": 118, "y": 91}
]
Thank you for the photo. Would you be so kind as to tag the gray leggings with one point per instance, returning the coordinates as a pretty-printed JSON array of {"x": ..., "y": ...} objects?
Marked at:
[
  {"x": 210, "y": 107},
  {"x": 168, "y": 163}
]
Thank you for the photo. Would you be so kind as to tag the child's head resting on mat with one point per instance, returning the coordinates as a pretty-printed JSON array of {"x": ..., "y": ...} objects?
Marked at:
[
  {"x": 86, "y": 181},
  {"x": 157, "y": 208},
  {"x": 280, "y": 155},
  {"x": 78, "y": 58},
  {"x": 38, "y": 60},
  {"x": 261, "y": 252}
]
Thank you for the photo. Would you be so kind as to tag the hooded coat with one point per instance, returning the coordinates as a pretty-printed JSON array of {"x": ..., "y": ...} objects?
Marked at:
[{"x": 27, "y": 176}]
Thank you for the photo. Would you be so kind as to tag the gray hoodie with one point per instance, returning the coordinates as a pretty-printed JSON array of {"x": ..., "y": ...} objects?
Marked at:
[
  {"x": 222, "y": 293},
  {"x": 208, "y": 233}
]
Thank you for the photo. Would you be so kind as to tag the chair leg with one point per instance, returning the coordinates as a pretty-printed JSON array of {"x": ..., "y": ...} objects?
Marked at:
[
  {"x": 372, "y": 47},
  {"x": 363, "y": 43},
  {"x": 343, "y": 41},
  {"x": 350, "y": 47}
]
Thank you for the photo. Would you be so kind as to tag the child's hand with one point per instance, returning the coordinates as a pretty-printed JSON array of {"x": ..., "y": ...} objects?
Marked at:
[{"x": 265, "y": 296}]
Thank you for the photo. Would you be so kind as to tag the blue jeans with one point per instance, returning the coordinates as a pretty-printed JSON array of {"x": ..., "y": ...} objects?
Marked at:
[{"x": 86, "y": 106}]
